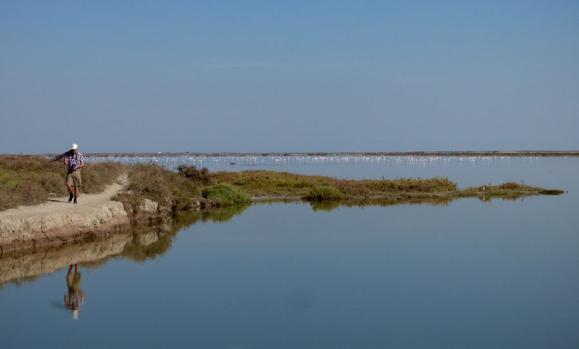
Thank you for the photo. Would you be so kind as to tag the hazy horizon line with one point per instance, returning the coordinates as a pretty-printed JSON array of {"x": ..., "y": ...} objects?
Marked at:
[{"x": 314, "y": 153}]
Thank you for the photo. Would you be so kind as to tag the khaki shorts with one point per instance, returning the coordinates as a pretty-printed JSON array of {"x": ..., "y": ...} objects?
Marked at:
[{"x": 73, "y": 178}]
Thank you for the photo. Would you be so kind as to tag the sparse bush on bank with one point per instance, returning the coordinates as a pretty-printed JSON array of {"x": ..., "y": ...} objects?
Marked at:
[
  {"x": 323, "y": 193},
  {"x": 172, "y": 191},
  {"x": 225, "y": 195},
  {"x": 197, "y": 175},
  {"x": 175, "y": 191}
]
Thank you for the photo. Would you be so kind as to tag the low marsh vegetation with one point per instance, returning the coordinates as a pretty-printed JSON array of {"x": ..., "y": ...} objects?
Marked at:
[
  {"x": 270, "y": 183},
  {"x": 28, "y": 180}
]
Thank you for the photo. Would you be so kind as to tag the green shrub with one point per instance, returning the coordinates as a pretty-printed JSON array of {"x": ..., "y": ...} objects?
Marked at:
[
  {"x": 225, "y": 195},
  {"x": 324, "y": 193}
]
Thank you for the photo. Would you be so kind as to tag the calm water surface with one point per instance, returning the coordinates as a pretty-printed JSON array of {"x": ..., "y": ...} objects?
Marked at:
[{"x": 470, "y": 274}]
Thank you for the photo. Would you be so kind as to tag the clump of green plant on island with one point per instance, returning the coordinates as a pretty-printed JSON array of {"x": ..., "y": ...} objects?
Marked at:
[
  {"x": 323, "y": 193},
  {"x": 225, "y": 195}
]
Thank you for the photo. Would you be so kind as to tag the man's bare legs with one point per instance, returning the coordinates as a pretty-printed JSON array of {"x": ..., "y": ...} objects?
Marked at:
[
  {"x": 75, "y": 268},
  {"x": 74, "y": 192},
  {"x": 71, "y": 192}
]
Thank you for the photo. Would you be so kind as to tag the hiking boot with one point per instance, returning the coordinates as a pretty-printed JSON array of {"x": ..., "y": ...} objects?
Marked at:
[
  {"x": 75, "y": 200},
  {"x": 70, "y": 196}
]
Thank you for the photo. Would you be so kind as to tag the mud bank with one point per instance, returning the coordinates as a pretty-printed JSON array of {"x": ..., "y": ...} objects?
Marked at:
[
  {"x": 23, "y": 232},
  {"x": 57, "y": 221}
]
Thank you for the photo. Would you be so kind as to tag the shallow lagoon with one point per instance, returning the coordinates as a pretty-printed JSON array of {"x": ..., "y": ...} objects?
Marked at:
[{"x": 470, "y": 274}]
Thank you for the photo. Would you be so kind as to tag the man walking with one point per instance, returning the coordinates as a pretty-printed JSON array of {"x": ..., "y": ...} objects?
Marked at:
[{"x": 74, "y": 161}]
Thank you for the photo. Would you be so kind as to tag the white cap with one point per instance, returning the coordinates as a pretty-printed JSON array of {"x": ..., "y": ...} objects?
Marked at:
[{"x": 74, "y": 146}]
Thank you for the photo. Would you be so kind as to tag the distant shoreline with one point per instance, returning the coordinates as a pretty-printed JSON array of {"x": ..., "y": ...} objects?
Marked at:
[{"x": 516, "y": 153}]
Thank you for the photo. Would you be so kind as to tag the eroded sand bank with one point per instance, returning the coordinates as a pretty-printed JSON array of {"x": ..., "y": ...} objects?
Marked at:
[{"x": 58, "y": 221}]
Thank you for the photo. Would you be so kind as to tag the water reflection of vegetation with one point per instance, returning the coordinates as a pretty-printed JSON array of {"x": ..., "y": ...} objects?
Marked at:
[
  {"x": 145, "y": 246},
  {"x": 138, "y": 244},
  {"x": 329, "y": 205},
  {"x": 222, "y": 215},
  {"x": 334, "y": 204}
]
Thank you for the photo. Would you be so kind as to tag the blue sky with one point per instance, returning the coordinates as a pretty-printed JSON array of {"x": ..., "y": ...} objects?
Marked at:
[{"x": 288, "y": 75}]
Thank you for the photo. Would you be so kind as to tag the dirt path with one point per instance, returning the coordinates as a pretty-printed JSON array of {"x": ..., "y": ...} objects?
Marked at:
[
  {"x": 59, "y": 219},
  {"x": 87, "y": 202}
]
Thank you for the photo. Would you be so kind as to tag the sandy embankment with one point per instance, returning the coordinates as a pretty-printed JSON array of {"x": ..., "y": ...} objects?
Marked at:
[{"x": 58, "y": 221}]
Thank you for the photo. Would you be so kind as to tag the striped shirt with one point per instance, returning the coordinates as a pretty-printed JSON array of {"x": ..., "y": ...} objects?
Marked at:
[{"x": 74, "y": 161}]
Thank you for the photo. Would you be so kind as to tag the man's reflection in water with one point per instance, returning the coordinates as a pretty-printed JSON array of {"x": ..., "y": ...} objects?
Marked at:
[{"x": 75, "y": 296}]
